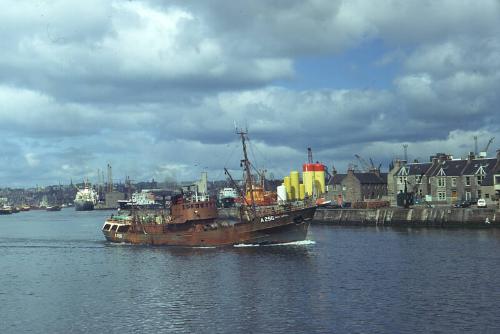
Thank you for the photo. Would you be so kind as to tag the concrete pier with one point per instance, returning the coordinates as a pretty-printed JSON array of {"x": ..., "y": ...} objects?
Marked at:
[{"x": 424, "y": 217}]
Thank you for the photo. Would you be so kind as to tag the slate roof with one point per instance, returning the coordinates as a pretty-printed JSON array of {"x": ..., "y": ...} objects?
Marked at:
[
  {"x": 384, "y": 176},
  {"x": 474, "y": 165},
  {"x": 450, "y": 167},
  {"x": 371, "y": 178},
  {"x": 418, "y": 168},
  {"x": 433, "y": 169},
  {"x": 337, "y": 179}
]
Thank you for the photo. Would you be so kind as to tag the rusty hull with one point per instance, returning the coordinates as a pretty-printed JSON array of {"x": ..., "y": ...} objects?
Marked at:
[{"x": 268, "y": 229}]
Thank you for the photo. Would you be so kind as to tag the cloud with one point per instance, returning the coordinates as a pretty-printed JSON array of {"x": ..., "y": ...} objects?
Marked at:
[{"x": 154, "y": 87}]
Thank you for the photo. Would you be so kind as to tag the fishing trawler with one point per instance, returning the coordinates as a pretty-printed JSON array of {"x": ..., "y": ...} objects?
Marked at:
[{"x": 194, "y": 220}]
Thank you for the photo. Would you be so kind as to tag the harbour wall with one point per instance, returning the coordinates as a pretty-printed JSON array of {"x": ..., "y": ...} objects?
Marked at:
[{"x": 414, "y": 217}]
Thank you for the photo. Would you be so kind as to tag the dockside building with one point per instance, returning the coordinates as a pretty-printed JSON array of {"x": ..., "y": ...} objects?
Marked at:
[{"x": 445, "y": 180}]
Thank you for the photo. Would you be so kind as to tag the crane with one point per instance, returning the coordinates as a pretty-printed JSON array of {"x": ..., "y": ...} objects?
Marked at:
[
  {"x": 488, "y": 145},
  {"x": 364, "y": 165}
]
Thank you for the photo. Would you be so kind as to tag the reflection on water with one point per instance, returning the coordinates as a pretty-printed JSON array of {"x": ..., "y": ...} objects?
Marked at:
[{"x": 60, "y": 274}]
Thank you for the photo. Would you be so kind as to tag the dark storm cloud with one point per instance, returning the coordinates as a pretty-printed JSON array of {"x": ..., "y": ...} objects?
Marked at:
[{"x": 155, "y": 87}]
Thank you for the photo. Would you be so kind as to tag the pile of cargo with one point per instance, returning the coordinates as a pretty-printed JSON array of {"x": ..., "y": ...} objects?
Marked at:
[{"x": 373, "y": 204}]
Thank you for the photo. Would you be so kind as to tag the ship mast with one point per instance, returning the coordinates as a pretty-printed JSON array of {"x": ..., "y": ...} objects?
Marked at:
[{"x": 246, "y": 165}]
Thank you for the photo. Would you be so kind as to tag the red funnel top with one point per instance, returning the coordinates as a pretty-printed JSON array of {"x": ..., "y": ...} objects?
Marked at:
[{"x": 317, "y": 167}]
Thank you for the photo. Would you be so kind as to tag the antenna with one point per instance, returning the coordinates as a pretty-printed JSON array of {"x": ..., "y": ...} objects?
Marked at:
[
  {"x": 475, "y": 145},
  {"x": 405, "y": 148}
]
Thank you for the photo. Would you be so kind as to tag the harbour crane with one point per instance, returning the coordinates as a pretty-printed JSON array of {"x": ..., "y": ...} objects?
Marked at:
[
  {"x": 364, "y": 165},
  {"x": 488, "y": 145}
]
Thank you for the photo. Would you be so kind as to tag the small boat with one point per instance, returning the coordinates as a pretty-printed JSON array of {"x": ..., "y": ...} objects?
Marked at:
[
  {"x": 5, "y": 210},
  {"x": 53, "y": 208}
]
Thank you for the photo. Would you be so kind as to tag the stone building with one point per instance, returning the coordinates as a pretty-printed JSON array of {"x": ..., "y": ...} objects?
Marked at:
[
  {"x": 445, "y": 180},
  {"x": 413, "y": 176},
  {"x": 357, "y": 186}
]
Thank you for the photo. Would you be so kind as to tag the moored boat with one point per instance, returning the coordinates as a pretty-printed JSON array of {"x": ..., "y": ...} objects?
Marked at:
[
  {"x": 194, "y": 220},
  {"x": 85, "y": 199},
  {"x": 5, "y": 210},
  {"x": 53, "y": 208}
]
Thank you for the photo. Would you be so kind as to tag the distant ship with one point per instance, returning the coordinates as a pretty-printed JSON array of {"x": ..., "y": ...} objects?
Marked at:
[
  {"x": 144, "y": 199},
  {"x": 85, "y": 199},
  {"x": 227, "y": 197}
]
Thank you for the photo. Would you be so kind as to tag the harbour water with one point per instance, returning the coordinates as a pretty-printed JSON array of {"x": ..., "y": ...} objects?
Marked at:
[{"x": 59, "y": 275}]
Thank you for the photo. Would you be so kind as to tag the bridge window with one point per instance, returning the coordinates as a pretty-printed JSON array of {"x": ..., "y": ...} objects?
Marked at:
[{"x": 123, "y": 228}]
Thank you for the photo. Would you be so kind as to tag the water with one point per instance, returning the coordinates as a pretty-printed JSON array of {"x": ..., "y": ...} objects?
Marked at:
[{"x": 58, "y": 275}]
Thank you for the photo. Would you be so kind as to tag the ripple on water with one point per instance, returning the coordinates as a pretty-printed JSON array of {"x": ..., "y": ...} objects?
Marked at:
[{"x": 62, "y": 276}]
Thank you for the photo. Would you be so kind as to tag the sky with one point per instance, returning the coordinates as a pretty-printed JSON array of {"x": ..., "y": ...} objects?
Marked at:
[{"x": 155, "y": 88}]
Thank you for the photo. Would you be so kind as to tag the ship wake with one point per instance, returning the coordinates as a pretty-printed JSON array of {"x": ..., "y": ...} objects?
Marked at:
[{"x": 293, "y": 243}]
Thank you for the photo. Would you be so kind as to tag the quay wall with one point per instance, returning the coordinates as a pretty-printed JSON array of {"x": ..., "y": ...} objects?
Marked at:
[{"x": 424, "y": 217}]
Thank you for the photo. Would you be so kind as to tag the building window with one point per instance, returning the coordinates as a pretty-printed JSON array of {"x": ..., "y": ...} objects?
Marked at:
[
  {"x": 441, "y": 182},
  {"x": 418, "y": 179},
  {"x": 441, "y": 196},
  {"x": 497, "y": 179},
  {"x": 467, "y": 195},
  {"x": 486, "y": 195},
  {"x": 402, "y": 180},
  {"x": 453, "y": 181},
  {"x": 479, "y": 194},
  {"x": 479, "y": 179},
  {"x": 467, "y": 180}
]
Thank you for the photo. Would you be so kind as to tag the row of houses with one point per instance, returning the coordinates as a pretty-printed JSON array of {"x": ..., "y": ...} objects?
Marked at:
[{"x": 442, "y": 180}]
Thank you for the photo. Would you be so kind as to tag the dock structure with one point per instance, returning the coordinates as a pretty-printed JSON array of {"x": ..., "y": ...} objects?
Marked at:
[{"x": 413, "y": 217}]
